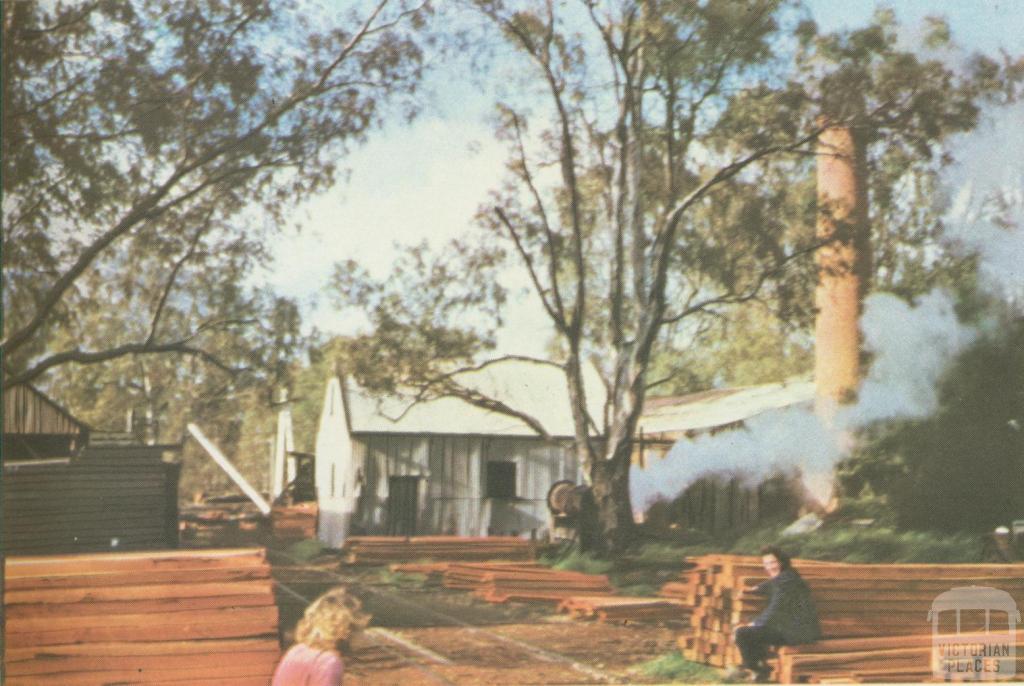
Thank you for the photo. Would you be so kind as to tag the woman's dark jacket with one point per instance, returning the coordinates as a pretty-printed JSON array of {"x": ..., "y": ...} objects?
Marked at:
[{"x": 790, "y": 610}]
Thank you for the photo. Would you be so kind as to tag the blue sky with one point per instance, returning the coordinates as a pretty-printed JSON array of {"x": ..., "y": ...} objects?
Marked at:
[{"x": 424, "y": 181}]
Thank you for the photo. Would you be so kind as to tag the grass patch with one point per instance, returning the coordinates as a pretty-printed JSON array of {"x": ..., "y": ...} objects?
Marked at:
[
  {"x": 659, "y": 555},
  {"x": 305, "y": 550},
  {"x": 390, "y": 578},
  {"x": 576, "y": 561},
  {"x": 674, "y": 667}
]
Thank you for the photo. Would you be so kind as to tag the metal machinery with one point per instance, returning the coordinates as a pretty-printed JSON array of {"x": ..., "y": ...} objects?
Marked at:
[
  {"x": 566, "y": 503},
  {"x": 1005, "y": 544}
]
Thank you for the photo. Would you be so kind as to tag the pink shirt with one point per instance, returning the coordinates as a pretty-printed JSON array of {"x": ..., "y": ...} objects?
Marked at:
[{"x": 305, "y": 666}]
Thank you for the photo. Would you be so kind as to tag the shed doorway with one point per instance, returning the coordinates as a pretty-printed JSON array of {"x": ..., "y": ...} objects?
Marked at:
[{"x": 403, "y": 505}]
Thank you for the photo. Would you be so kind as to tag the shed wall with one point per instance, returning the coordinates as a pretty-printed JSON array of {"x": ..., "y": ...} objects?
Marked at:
[
  {"x": 106, "y": 501},
  {"x": 452, "y": 471}
]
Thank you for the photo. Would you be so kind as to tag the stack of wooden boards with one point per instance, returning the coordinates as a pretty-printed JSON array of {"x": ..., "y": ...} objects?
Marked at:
[
  {"x": 294, "y": 522},
  {"x": 574, "y": 592},
  {"x": 172, "y": 617},
  {"x": 499, "y": 583},
  {"x": 853, "y": 601},
  {"x": 384, "y": 549},
  {"x": 624, "y": 609},
  {"x": 891, "y": 659}
]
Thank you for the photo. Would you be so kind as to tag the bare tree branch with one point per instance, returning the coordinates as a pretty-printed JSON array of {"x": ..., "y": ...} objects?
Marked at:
[
  {"x": 172, "y": 278},
  {"x": 93, "y": 357},
  {"x": 554, "y": 252},
  {"x": 555, "y": 315}
]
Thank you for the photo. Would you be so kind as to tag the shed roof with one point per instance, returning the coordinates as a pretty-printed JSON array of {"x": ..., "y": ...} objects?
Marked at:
[
  {"x": 708, "y": 410},
  {"x": 27, "y": 410},
  {"x": 538, "y": 390}
]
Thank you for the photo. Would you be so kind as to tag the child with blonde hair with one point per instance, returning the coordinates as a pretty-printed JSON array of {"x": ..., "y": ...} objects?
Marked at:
[{"x": 320, "y": 637}]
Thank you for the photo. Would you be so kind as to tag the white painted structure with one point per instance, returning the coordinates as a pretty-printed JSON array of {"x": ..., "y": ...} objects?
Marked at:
[
  {"x": 445, "y": 466},
  {"x": 337, "y": 472},
  {"x": 283, "y": 470}
]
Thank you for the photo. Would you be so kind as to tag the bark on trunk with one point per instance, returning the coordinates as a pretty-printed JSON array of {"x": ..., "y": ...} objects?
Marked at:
[{"x": 612, "y": 528}]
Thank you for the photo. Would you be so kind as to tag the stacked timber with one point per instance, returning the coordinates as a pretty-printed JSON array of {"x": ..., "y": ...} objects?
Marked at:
[
  {"x": 434, "y": 571},
  {"x": 386, "y": 549},
  {"x": 896, "y": 658},
  {"x": 501, "y": 583},
  {"x": 470, "y": 576},
  {"x": 853, "y": 600},
  {"x": 624, "y": 609},
  {"x": 294, "y": 522},
  {"x": 140, "y": 618}
]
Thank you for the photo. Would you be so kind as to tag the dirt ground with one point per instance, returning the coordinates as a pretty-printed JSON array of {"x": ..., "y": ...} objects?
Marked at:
[{"x": 430, "y": 635}]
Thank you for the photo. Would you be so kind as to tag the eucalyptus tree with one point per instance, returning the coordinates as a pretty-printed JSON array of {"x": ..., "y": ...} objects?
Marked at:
[{"x": 151, "y": 149}]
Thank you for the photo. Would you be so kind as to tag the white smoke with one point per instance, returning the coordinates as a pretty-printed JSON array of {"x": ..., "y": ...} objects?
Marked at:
[
  {"x": 911, "y": 346},
  {"x": 761, "y": 447}
]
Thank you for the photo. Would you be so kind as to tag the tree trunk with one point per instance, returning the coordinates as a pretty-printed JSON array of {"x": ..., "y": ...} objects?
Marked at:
[{"x": 611, "y": 528}]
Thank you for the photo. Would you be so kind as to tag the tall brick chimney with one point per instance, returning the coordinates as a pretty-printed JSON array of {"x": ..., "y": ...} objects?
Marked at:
[{"x": 843, "y": 264}]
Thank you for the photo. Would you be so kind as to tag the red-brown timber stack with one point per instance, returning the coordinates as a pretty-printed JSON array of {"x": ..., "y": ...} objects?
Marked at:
[
  {"x": 624, "y": 609},
  {"x": 386, "y": 549},
  {"x": 198, "y": 616},
  {"x": 294, "y": 522},
  {"x": 910, "y": 658},
  {"x": 853, "y": 600},
  {"x": 498, "y": 583}
]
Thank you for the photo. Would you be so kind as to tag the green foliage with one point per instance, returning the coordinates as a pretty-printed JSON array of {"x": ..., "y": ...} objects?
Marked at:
[
  {"x": 842, "y": 541},
  {"x": 961, "y": 469},
  {"x": 577, "y": 561},
  {"x": 656, "y": 555},
  {"x": 305, "y": 550},
  {"x": 390, "y": 578},
  {"x": 752, "y": 346},
  {"x": 675, "y": 668},
  {"x": 150, "y": 152}
]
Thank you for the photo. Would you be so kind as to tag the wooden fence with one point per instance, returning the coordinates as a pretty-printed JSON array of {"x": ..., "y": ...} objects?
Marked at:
[{"x": 716, "y": 504}]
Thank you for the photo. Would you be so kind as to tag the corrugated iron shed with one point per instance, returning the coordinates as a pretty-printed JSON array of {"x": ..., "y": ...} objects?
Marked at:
[
  {"x": 538, "y": 390},
  {"x": 683, "y": 416}
]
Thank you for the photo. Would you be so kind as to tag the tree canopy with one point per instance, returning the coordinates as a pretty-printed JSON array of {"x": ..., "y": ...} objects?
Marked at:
[{"x": 149, "y": 150}]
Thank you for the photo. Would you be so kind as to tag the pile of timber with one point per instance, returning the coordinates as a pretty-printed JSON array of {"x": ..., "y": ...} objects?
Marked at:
[
  {"x": 169, "y": 617},
  {"x": 910, "y": 658},
  {"x": 853, "y": 600},
  {"x": 470, "y": 576},
  {"x": 294, "y": 522},
  {"x": 499, "y": 583},
  {"x": 624, "y": 609},
  {"x": 385, "y": 549}
]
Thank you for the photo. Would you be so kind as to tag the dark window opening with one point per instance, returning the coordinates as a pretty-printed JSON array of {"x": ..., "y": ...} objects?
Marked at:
[{"x": 501, "y": 479}]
